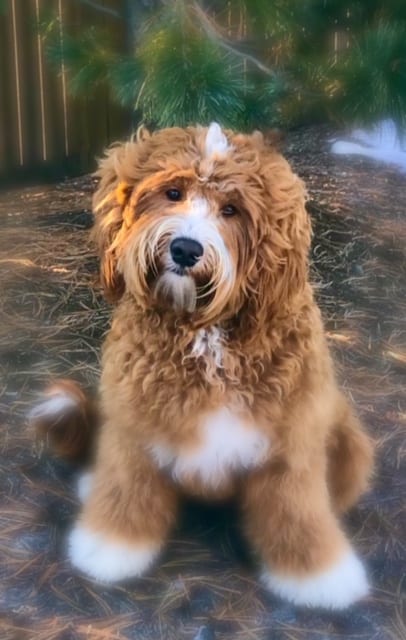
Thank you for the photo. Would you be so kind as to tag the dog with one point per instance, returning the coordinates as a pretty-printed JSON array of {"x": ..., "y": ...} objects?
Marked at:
[{"x": 216, "y": 375}]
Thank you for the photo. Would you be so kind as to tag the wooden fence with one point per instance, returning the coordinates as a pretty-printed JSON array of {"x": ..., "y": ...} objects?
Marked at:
[{"x": 43, "y": 130}]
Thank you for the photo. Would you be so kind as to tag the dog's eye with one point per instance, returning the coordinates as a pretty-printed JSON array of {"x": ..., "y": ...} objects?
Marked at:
[
  {"x": 229, "y": 210},
  {"x": 173, "y": 194}
]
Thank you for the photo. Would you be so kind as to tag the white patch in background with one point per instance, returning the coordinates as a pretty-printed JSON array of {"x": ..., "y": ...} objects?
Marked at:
[
  {"x": 209, "y": 343},
  {"x": 227, "y": 444},
  {"x": 107, "y": 561},
  {"x": 382, "y": 143},
  {"x": 55, "y": 405},
  {"x": 216, "y": 143},
  {"x": 84, "y": 485},
  {"x": 336, "y": 588}
]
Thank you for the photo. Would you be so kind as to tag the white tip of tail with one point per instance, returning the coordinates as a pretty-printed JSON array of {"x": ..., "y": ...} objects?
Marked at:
[{"x": 53, "y": 405}]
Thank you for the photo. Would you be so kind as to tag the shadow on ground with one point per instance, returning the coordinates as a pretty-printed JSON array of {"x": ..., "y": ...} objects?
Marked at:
[{"x": 205, "y": 587}]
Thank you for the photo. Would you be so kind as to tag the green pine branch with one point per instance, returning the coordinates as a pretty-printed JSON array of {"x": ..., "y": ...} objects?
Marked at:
[{"x": 247, "y": 63}]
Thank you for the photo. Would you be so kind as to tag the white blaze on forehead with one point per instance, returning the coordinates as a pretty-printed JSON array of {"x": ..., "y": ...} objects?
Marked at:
[
  {"x": 199, "y": 207},
  {"x": 196, "y": 224},
  {"x": 199, "y": 225},
  {"x": 216, "y": 142}
]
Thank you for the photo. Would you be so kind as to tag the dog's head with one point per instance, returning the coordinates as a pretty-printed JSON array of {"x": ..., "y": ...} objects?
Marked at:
[{"x": 204, "y": 221}]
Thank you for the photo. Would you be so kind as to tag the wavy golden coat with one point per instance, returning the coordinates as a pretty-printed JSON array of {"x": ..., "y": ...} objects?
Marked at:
[{"x": 216, "y": 375}]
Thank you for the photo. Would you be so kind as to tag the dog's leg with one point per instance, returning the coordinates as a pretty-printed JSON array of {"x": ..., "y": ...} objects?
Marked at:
[
  {"x": 350, "y": 458},
  {"x": 127, "y": 513},
  {"x": 291, "y": 525}
]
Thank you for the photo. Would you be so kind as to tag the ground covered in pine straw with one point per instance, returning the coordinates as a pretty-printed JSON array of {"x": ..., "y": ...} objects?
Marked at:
[{"x": 205, "y": 587}]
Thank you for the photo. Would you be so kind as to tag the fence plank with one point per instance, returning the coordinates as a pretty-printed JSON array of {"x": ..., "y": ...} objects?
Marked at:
[
  {"x": 10, "y": 129},
  {"x": 53, "y": 96},
  {"x": 6, "y": 134},
  {"x": 42, "y": 128},
  {"x": 29, "y": 82}
]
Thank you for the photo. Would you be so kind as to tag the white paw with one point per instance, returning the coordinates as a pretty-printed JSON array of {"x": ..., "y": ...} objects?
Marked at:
[
  {"x": 84, "y": 485},
  {"x": 107, "y": 561},
  {"x": 337, "y": 588}
]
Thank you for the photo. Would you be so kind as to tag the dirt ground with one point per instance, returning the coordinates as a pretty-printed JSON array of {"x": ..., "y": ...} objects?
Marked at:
[{"x": 206, "y": 586}]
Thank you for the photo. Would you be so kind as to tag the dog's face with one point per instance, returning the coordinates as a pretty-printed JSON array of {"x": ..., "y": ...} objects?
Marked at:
[{"x": 201, "y": 221}]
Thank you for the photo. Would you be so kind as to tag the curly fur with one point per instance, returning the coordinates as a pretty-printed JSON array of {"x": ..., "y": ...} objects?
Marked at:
[{"x": 223, "y": 369}]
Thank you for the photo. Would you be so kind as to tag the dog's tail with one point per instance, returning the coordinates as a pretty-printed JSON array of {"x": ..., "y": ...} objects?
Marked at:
[
  {"x": 66, "y": 421},
  {"x": 351, "y": 457}
]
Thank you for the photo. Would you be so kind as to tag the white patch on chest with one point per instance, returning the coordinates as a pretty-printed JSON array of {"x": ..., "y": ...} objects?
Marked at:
[
  {"x": 209, "y": 343},
  {"x": 226, "y": 444}
]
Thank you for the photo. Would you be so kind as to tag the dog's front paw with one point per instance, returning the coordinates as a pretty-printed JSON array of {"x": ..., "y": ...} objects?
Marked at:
[
  {"x": 107, "y": 560},
  {"x": 335, "y": 588}
]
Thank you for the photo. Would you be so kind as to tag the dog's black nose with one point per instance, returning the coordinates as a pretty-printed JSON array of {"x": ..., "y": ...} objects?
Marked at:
[{"x": 185, "y": 251}]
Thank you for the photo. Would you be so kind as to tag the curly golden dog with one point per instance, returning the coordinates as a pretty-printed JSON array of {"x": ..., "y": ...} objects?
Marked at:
[{"x": 216, "y": 376}]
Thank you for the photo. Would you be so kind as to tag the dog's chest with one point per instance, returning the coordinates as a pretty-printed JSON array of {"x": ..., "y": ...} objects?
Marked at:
[
  {"x": 225, "y": 444},
  {"x": 219, "y": 443}
]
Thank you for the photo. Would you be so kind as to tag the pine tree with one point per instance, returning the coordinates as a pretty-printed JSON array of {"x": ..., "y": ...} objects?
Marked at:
[{"x": 244, "y": 63}]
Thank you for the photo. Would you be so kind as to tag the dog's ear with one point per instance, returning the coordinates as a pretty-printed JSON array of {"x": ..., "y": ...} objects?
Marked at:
[
  {"x": 280, "y": 272},
  {"x": 119, "y": 171}
]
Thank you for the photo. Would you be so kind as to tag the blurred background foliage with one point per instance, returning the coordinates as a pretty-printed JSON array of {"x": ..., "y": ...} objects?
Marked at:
[{"x": 244, "y": 63}]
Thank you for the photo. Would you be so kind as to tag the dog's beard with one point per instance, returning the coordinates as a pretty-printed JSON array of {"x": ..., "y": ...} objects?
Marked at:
[
  {"x": 150, "y": 273},
  {"x": 176, "y": 291}
]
